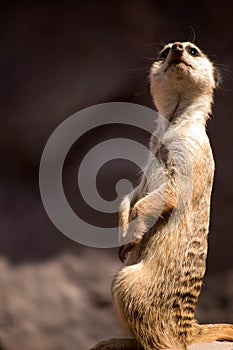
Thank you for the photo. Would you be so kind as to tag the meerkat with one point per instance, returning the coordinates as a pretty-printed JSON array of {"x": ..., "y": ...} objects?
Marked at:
[{"x": 156, "y": 291}]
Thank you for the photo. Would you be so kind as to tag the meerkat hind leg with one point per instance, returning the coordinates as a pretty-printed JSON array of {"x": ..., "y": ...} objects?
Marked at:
[{"x": 118, "y": 344}]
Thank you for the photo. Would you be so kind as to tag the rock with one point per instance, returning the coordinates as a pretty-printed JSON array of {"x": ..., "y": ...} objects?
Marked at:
[{"x": 213, "y": 346}]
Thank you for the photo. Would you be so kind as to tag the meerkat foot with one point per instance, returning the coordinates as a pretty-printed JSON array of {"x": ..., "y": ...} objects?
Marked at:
[
  {"x": 118, "y": 344},
  {"x": 125, "y": 249}
]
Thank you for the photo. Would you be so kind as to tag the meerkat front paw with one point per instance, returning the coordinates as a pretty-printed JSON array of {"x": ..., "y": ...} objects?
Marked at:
[
  {"x": 135, "y": 212},
  {"x": 125, "y": 249}
]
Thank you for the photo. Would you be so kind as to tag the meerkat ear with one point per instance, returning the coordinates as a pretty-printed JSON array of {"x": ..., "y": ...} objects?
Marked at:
[{"x": 217, "y": 76}]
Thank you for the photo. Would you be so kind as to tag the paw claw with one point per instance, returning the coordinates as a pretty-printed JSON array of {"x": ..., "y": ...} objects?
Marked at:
[{"x": 125, "y": 249}]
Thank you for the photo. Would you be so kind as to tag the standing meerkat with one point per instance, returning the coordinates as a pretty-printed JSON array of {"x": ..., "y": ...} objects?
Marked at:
[{"x": 156, "y": 291}]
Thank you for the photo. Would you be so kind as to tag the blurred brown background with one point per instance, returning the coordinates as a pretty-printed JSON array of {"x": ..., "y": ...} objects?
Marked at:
[{"x": 57, "y": 58}]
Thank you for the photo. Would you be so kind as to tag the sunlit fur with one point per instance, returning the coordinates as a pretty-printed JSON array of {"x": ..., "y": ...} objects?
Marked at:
[{"x": 156, "y": 291}]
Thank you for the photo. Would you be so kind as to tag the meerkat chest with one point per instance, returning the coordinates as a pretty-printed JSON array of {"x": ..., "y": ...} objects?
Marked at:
[
  {"x": 184, "y": 150},
  {"x": 185, "y": 144}
]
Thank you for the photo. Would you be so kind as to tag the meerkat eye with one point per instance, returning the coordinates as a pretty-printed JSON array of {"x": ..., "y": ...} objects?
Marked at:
[
  {"x": 192, "y": 51},
  {"x": 164, "y": 54}
]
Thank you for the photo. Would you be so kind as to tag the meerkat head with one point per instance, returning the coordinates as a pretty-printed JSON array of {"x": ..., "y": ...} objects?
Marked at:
[{"x": 182, "y": 71}]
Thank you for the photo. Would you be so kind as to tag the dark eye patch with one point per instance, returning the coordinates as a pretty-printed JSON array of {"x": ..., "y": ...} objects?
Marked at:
[
  {"x": 163, "y": 55},
  {"x": 192, "y": 51}
]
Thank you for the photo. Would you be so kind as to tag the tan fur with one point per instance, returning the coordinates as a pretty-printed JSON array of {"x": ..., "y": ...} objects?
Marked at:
[{"x": 156, "y": 292}]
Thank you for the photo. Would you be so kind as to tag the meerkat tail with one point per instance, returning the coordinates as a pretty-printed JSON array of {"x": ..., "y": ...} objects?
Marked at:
[{"x": 212, "y": 332}]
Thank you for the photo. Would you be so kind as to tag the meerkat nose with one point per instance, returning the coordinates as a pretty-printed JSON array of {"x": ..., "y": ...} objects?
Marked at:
[{"x": 177, "y": 47}]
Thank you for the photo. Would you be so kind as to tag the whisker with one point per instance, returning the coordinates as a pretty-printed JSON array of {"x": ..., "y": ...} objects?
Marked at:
[
  {"x": 161, "y": 43},
  {"x": 193, "y": 35},
  {"x": 136, "y": 69},
  {"x": 149, "y": 58},
  {"x": 140, "y": 92}
]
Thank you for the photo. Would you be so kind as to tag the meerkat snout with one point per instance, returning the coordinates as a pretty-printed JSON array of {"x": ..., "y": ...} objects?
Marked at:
[
  {"x": 177, "y": 46},
  {"x": 175, "y": 54},
  {"x": 177, "y": 50}
]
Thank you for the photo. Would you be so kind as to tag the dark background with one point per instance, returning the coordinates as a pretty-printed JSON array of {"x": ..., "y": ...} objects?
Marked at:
[{"x": 57, "y": 58}]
